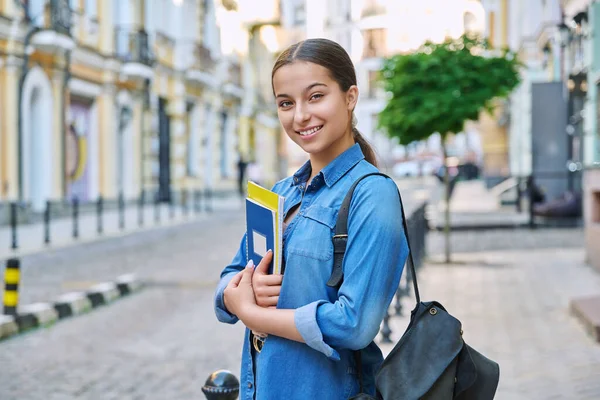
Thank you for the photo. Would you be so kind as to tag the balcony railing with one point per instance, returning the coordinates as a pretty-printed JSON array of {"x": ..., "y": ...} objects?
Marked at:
[
  {"x": 235, "y": 74},
  {"x": 61, "y": 16},
  {"x": 205, "y": 60},
  {"x": 133, "y": 45}
]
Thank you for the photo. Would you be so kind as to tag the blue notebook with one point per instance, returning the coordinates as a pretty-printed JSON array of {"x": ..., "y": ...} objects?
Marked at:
[{"x": 260, "y": 229}]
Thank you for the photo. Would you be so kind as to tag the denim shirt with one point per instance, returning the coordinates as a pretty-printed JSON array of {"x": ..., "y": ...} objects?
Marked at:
[{"x": 333, "y": 322}]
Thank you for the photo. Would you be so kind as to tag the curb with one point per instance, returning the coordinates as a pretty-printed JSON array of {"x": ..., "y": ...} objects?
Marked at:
[
  {"x": 479, "y": 227},
  {"x": 67, "y": 305}
]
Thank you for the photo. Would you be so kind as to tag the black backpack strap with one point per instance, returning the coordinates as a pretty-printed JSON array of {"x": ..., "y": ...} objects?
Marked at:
[{"x": 340, "y": 239}]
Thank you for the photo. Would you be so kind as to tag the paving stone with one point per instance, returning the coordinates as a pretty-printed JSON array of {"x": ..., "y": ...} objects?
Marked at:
[{"x": 517, "y": 313}]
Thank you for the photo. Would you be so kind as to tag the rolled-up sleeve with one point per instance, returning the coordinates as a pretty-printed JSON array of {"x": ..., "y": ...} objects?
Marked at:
[
  {"x": 375, "y": 256},
  {"x": 236, "y": 265}
]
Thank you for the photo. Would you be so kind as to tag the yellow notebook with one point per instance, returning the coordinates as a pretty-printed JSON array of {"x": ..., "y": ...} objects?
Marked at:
[{"x": 275, "y": 203}]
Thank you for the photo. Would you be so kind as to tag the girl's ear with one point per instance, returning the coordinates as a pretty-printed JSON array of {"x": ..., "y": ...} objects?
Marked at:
[{"x": 352, "y": 97}]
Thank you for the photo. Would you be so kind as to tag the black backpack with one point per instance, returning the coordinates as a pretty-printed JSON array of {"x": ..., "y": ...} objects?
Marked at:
[{"x": 431, "y": 360}]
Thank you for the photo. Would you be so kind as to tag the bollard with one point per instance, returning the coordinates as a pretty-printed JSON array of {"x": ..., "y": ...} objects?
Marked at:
[
  {"x": 530, "y": 194},
  {"x": 398, "y": 306},
  {"x": 13, "y": 225},
  {"x": 141, "y": 208},
  {"x": 47, "y": 223},
  {"x": 402, "y": 291},
  {"x": 385, "y": 330},
  {"x": 99, "y": 215},
  {"x": 156, "y": 209},
  {"x": 221, "y": 385},
  {"x": 121, "y": 211},
  {"x": 75, "y": 217},
  {"x": 171, "y": 207},
  {"x": 208, "y": 200},
  {"x": 198, "y": 201},
  {"x": 11, "y": 286},
  {"x": 184, "y": 202},
  {"x": 519, "y": 195}
]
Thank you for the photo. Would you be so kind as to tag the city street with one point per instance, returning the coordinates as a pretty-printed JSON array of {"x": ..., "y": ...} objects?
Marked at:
[{"x": 163, "y": 342}]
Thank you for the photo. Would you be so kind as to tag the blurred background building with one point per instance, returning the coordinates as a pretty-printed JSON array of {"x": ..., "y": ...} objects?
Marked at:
[{"x": 110, "y": 98}]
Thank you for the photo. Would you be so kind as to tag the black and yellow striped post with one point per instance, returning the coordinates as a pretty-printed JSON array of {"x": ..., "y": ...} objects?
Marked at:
[{"x": 11, "y": 286}]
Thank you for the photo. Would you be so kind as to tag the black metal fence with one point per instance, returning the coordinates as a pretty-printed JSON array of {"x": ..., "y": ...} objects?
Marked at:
[
  {"x": 417, "y": 235},
  {"x": 188, "y": 202}
]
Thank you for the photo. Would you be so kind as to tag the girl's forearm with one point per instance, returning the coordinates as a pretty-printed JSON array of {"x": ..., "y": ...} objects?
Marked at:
[{"x": 272, "y": 321}]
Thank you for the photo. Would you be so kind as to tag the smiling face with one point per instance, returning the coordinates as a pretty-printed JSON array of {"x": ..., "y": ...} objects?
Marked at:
[{"x": 315, "y": 113}]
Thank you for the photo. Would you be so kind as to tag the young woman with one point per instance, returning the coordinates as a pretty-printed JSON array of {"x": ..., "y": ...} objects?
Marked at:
[{"x": 302, "y": 334}]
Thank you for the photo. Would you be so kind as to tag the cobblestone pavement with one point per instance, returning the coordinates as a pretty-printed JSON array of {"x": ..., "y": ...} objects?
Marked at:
[
  {"x": 513, "y": 306},
  {"x": 161, "y": 343}
]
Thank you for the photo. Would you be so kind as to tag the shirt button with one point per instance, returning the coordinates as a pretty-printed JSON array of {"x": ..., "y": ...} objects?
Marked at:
[{"x": 250, "y": 385}]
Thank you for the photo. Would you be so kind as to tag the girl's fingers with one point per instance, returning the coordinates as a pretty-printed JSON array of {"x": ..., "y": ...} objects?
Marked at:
[
  {"x": 235, "y": 281},
  {"x": 267, "y": 291},
  {"x": 268, "y": 302},
  {"x": 269, "y": 280},
  {"x": 247, "y": 275},
  {"x": 272, "y": 301}
]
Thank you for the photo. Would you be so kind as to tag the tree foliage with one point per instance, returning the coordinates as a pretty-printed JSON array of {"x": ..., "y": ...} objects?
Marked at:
[{"x": 441, "y": 86}]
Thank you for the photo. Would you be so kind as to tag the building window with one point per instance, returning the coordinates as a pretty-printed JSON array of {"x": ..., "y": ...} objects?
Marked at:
[
  {"x": 299, "y": 14},
  {"x": 91, "y": 9},
  {"x": 35, "y": 12},
  {"x": 74, "y": 4},
  {"x": 374, "y": 43},
  {"x": 192, "y": 139}
]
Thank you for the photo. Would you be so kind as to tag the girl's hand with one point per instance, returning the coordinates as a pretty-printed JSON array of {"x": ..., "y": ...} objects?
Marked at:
[
  {"x": 238, "y": 294},
  {"x": 266, "y": 287}
]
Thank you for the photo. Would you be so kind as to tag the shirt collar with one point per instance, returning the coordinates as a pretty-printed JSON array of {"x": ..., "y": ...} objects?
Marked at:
[{"x": 335, "y": 169}]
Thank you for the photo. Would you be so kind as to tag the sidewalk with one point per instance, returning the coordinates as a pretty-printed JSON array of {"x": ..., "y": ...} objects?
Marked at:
[
  {"x": 472, "y": 206},
  {"x": 30, "y": 237},
  {"x": 514, "y": 307}
]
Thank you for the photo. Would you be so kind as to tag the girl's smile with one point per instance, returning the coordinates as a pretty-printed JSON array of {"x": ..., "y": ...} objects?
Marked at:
[{"x": 309, "y": 132}]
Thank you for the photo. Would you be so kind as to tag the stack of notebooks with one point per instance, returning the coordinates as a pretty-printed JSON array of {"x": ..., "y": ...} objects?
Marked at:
[{"x": 264, "y": 226}]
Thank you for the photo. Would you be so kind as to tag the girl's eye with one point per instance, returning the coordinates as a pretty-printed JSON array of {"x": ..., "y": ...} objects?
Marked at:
[
  {"x": 285, "y": 104},
  {"x": 316, "y": 96}
]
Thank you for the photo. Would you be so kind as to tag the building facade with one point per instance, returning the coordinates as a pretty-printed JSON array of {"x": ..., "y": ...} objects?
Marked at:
[
  {"x": 581, "y": 47},
  {"x": 118, "y": 98},
  {"x": 553, "y": 118}
]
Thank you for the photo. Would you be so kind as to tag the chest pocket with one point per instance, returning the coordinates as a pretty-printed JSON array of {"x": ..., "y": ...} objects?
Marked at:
[{"x": 312, "y": 236}]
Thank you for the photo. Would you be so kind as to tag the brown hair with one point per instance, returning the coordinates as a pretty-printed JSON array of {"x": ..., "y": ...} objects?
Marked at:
[{"x": 332, "y": 56}]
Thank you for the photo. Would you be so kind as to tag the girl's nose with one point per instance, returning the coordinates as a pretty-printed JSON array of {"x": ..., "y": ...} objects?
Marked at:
[{"x": 301, "y": 115}]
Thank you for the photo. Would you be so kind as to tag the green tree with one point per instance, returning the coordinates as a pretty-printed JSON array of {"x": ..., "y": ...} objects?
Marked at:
[{"x": 439, "y": 87}]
